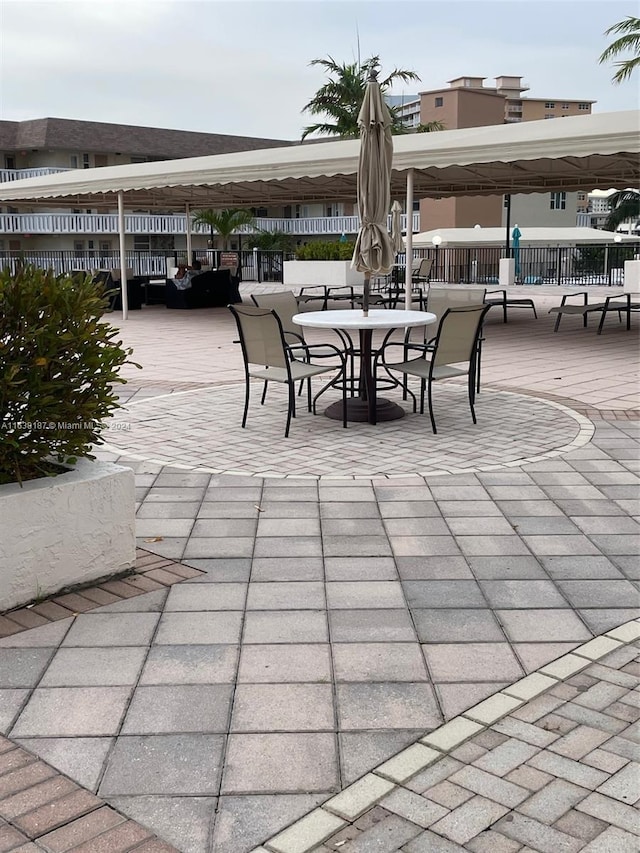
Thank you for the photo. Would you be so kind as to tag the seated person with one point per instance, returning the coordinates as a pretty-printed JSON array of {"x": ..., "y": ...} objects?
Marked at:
[{"x": 182, "y": 278}]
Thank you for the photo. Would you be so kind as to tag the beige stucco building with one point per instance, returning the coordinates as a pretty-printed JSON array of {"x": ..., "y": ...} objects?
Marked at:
[{"x": 469, "y": 102}]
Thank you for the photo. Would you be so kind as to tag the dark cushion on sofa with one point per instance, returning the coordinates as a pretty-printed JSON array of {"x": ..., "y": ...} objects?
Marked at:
[{"x": 212, "y": 289}]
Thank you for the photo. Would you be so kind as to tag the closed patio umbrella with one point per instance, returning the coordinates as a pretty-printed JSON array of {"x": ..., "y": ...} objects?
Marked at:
[
  {"x": 396, "y": 227},
  {"x": 373, "y": 253},
  {"x": 516, "y": 234}
]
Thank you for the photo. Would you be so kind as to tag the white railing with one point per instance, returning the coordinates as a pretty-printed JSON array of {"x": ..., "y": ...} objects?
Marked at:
[
  {"x": 142, "y": 223},
  {"x": 19, "y": 174}
]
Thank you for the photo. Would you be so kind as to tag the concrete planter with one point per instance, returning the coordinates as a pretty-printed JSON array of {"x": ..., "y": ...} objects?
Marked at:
[
  {"x": 70, "y": 529},
  {"x": 331, "y": 273}
]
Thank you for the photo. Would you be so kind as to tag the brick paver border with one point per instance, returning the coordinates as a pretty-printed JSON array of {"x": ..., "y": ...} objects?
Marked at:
[{"x": 149, "y": 573}]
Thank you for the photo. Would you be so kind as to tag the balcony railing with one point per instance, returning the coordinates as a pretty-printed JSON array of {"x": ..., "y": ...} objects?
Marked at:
[
  {"x": 143, "y": 223},
  {"x": 19, "y": 174}
]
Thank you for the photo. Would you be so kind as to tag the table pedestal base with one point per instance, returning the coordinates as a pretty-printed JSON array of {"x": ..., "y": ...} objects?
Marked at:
[{"x": 358, "y": 410}]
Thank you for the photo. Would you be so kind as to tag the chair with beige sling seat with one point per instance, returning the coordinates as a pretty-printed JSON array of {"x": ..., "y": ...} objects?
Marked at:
[
  {"x": 438, "y": 301},
  {"x": 268, "y": 357},
  {"x": 453, "y": 352},
  {"x": 285, "y": 304}
]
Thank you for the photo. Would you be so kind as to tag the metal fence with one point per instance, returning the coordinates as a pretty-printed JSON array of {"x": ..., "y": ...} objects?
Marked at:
[
  {"x": 255, "y": 265},
  {"x": 579, "y": 265}
]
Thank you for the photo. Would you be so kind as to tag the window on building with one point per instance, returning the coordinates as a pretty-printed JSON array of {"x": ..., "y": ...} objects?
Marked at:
[
  {"x": 584, "y": 106},
  {"x": 9, "y": 162},
  {"x": 73, "y": 160},
  {"x": 467, "y": 83},
  {"x": 558, "y": 201},
  {"x": 582, "y": 196},
  {"x": 550, "y": 105},
  {"x": 549, "y": 115},
  {"x": 566, "y": 106},
  {"x": 85, "y": 161},
  {"x": 141, "y": 242},
  {"x": 439, "y": 102},
  {"x": 78, "y": 248}
]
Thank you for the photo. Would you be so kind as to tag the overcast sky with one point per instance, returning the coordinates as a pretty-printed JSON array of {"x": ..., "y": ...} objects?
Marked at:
[{"x": 242, "y": 67}]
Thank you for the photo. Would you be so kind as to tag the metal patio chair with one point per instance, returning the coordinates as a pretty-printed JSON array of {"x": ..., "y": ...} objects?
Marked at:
[
  {"x": 267, "y": 356},
  {"x": 453, "y": 352}
]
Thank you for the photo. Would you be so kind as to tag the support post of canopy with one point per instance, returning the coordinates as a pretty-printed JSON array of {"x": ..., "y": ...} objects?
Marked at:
[
  {"x": 408, "y": 242},
  {"x": 123, "y": 258},
  {"x": 187, "y": 213},
  {"x": 507, "y": 237}
]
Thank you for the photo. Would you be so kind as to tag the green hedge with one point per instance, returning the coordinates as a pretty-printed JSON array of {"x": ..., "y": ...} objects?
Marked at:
[
  {"x": 58, "y": 363},
  {"x": 329, "y": 251}
]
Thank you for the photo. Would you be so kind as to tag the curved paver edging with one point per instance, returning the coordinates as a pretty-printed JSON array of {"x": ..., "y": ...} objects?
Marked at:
[
  {"x": 336, "y": 813},
  {"x": 190, "y": 429}
]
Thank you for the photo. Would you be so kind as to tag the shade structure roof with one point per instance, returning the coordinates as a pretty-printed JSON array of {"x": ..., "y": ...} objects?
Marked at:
[
  {"x": 581, "y": 152},
  {"x": 458, "y": 237}
]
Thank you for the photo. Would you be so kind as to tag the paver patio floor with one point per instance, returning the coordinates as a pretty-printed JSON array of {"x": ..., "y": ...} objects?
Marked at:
[{"x": 338, "y": 619}]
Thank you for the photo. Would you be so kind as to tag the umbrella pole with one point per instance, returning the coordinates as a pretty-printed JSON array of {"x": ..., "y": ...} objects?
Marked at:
[{"x": 365, "y": 294}]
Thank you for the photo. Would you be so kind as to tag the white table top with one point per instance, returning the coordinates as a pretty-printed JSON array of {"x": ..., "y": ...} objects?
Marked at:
[{"x": 354, "y": 319}]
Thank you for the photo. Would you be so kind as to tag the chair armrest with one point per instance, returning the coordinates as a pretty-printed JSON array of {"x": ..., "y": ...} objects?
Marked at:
[
  {"x": 503, "y": 292},
  {"x": 583, "y": 293}
]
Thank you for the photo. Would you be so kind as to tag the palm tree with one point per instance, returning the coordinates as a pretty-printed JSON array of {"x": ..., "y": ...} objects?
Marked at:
[
  {"x": 341, "y": 97},
  {"x": 624, "y": 205},
  {"x": 225, "y": 222},
  {"x": 430, "y": 127},
  {"x": 271, "y": 241},
  {"x": 628, "y": 40}
]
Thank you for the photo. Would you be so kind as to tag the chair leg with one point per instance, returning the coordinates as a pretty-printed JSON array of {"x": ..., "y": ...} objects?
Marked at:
[
  {"x": 246, "y": 400},
  {"x": 601, "y": 323},
  {"x": 264, "y": 393},
  {"x": 290, "y": 407},
  {"x": 471, "y": 395},
  {"x": 309, "y": 394},
  {"x": 433, "y": 420},
  {"x": 555, "y": 328}
]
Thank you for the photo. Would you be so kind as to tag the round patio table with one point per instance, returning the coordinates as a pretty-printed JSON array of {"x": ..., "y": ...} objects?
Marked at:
[{"x": 367, "y": 406}]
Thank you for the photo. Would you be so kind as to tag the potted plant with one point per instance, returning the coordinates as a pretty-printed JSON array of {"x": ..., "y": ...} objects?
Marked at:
[
  {"x": 321, "y": 262},
  {"x": 68, "y": 519}
]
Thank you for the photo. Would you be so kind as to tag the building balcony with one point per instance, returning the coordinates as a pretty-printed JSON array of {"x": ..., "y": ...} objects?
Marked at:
[
  {"x": 18, "y": 174},
  {"x": 172, "y": 224}
]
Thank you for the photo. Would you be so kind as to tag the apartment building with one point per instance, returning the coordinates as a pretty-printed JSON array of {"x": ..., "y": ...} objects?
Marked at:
[
  {"x": 44, "y": 146},
  {"x": 470, "y": 102}
]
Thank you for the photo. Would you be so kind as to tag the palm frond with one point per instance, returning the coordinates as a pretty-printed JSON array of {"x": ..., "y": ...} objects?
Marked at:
[{"x": 628, "y": 42}]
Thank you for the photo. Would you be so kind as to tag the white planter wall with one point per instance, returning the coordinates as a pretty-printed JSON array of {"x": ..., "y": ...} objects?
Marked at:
[
  {"x": 70, "y": 529},
  {"x": 331, "y": 273}
]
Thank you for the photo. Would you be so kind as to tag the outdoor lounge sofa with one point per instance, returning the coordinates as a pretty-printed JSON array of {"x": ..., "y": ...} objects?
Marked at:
[{"x": 213, "y": 289}]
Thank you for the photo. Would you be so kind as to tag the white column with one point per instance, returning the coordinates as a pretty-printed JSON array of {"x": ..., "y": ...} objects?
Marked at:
[
  {"x": 123, "y": 259},
  {"x": 187, "y": 212},
  {"x": 506, "y": 272},
  {"x": 408, "y": 241}
]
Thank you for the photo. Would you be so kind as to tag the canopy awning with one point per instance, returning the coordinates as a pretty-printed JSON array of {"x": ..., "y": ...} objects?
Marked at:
[{"x": 582, "y": 152}]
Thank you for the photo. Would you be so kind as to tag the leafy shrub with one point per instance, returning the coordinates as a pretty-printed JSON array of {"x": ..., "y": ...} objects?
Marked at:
[
  {"x": 58, "y": 363},
  {"x": 329, "y": 251}
]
